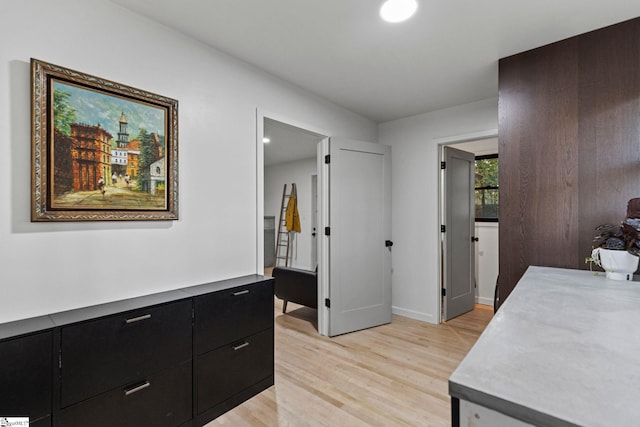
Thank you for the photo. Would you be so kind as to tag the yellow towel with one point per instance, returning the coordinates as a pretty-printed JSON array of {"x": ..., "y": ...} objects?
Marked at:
[{"x": 293, "y": 217}]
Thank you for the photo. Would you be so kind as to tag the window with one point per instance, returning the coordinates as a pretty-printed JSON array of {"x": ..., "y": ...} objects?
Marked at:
[{"x": 487, "y": 188}]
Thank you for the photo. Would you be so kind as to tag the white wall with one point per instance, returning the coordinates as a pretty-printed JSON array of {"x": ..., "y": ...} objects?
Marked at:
[
  {"x": 275, "y": 177},
  {"x": 415, "y": 223},
  {"x": 48, "y": 267}
]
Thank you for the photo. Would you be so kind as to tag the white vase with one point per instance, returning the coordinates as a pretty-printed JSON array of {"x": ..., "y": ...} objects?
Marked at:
[{"x": 618, "y": 265}]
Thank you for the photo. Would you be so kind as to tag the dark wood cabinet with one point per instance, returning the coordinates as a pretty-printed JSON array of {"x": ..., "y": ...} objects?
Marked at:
[
  {"x": 244, "y": 363},
  {"x": 225, "y": 316},
  {"x": 26, "y": 377},
  {"x": 569, "y": 126},
  {"x": 159, "y": 400},
  {"x": 102, "y": 354},
  {"x": 177, "y": 358},
  {"x": 233, "y": 328}
]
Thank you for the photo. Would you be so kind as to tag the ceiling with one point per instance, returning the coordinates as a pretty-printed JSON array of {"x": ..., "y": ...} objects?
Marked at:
[
  {"x": 479, "y": 147},
  {"x": 445, "y": 55},
  {"x": 288, "y": 143}
]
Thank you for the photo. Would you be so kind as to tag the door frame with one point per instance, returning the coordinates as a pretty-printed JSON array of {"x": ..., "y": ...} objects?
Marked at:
[
  {"x": 314, "y": 219},
  {"x": 322, "y": 150},
  {"x": 262, "y": 114},
  {"x": 441, "y": 143}
]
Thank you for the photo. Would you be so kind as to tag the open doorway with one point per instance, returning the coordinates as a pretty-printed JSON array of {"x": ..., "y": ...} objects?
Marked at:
[
  {"x": 484, "y": 233},
  {"x": 486, "y": 229},
  {"x": 288, "y": 157}
]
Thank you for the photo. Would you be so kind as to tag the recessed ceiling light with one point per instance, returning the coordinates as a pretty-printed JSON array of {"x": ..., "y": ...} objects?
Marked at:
[
  {"x": 266, "y": 140},
  {"x": 398, "y": 10}
]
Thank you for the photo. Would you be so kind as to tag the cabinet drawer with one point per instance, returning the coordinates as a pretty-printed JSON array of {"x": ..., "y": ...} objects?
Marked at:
[
  {"x": 233, "y": 368},
  {"x": 26, "y": 376},
  {"x": 226, "y": 316},
  {"x": 103, "y": 354},
  {"x": 161, "y": 400}
]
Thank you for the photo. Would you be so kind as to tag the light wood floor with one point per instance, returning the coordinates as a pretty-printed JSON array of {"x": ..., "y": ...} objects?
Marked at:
[{"x": 392, "y": 375}]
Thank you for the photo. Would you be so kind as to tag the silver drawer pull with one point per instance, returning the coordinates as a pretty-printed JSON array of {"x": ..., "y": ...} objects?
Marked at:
[
  {"x": 246, "y": 291},
  {"x": 238, "y": 347},
  {"x": 137, "y": 319},
  {"x": 137, "y": 388}
]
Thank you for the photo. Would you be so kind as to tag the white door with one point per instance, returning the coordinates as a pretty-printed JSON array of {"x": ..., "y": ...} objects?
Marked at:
[
  {"x": 355, "y": 285},
  {"x": 458, "y": 239}
]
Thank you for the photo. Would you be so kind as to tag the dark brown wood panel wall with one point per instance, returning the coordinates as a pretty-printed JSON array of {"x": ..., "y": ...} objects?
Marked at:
[{"x": 569, "y": 135}]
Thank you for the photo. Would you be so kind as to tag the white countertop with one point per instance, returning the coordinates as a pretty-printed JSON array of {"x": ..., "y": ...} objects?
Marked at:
[{"x": 563, "y": 350}]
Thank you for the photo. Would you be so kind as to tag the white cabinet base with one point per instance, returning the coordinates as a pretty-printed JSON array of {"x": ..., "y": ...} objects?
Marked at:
[{"x": 472, "y": 415}]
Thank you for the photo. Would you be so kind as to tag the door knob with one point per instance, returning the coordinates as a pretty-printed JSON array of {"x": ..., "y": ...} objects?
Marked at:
[
  {"x": 474, "y": 239},
  {"x": 388, "y": 243}
]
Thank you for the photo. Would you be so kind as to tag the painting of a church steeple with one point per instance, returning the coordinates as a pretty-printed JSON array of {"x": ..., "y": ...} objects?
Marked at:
[
  {"x": 119, "y": 154},
  {"x": 123, "y": 136}
]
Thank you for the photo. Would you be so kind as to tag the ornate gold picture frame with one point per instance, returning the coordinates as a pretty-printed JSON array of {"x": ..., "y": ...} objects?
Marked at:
[{"x": 101, "y": 151}]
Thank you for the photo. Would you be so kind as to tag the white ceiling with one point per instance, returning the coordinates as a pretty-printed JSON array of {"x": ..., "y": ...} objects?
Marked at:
[
  {"x": 446, "y": 55},
  {"x": 288, "y": 143},
  {"x": 480, "y": 147}
]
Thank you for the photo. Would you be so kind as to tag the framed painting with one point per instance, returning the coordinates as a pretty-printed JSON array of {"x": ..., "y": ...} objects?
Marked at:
[{"x": 101, "y": 151}]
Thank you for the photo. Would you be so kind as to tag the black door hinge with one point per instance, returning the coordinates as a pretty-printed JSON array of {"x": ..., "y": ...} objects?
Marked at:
[
  {"x": 327, "y": 302},
  {"x": 327, "y": 158},
  {"x": 443, "y": 228},
  {"x": 444, "y": 292},
  {"x": 327, "y": 231},
  {"x": 443, "y": 165}
]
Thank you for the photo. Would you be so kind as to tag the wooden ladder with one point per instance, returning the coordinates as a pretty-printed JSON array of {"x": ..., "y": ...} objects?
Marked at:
[{"x": 282, "y": 238}]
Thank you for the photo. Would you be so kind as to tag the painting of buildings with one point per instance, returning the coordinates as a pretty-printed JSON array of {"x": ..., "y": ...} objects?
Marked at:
[{"x": 91, "y": 168}]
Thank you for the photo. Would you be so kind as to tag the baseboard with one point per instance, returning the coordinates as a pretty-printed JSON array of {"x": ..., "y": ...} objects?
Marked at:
[
  {"x": 484, "y": 301},
  {"x": 416, "y": 315}
]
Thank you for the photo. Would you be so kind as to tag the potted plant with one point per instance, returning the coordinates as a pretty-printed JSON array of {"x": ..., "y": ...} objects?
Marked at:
[{"x": 616, "y": 248}]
